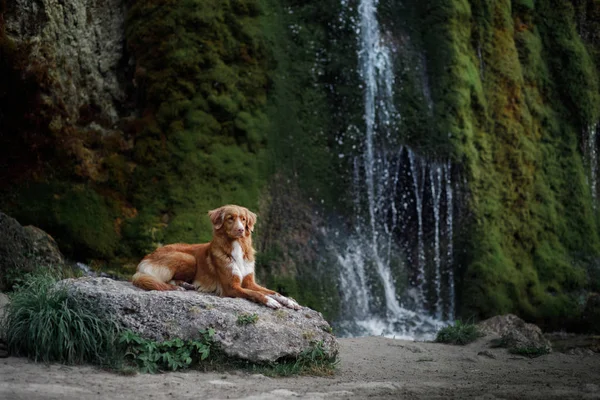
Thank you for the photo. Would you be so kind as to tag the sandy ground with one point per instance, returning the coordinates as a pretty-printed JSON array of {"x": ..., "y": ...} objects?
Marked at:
[{"x": 372, "y": 367}]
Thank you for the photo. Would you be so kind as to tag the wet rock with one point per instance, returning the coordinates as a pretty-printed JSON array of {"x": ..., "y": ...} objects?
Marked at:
[
  {"x": 164, "y": 315},
  {"x": 516, "y": 334}
]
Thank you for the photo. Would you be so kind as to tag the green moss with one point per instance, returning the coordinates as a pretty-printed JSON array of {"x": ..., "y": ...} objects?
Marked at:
[
  {"x": 202, "y": 71},
  {"x": 509, "y": 87},
  {"x": 80, "y": 219}
]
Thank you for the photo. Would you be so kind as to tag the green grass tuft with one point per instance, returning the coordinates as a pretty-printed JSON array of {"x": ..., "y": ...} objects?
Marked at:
[
  {"x": 246, "y": 319},
  {"x": 459, "y": 333},
  {"x": 531, "y": 352},
  {"x": 45, "y": 324}
]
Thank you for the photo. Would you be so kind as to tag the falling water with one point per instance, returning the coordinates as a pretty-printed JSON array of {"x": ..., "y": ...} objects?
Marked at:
[
  {"x": 436, "y": 191},
  {"x": 385, "y": 291},
  {"x": 418, "y": 179},
  {"x": 592, "y": 156},
  {"x": 450, "y": 246}
]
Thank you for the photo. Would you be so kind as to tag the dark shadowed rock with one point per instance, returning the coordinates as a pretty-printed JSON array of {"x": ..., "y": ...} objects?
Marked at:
[
  {"x": 164, "y": 315},
  {"x": 591, "y": 313},
  {"x": 4, "y": 300},
  {"x": 22, "y": 249},
  {"x": 515, "y": 333},
  {"x": 44, "y": 249}
]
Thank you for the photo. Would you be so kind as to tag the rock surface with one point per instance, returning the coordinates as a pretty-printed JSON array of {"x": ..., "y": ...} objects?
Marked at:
[
  {"x": 22, "y": 249},
  {"x": 591, "y": 314},
  {"x": 83, "y": 43},
  {"x": 164, "y": 315},
  {"x": 515, "y": 332},
  {"x": 4, "y": 300}
]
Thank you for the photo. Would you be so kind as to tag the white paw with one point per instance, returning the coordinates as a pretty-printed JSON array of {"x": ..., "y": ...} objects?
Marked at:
[
  {"x": 293, "y": 305},
  {"x": 289, "y": 303},
  {"x": 188, "y": 286},
  {"x": 272, "y": 303}
]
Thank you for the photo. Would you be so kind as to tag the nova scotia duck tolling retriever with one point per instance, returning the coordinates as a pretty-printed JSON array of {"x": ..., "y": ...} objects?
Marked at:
[{"x": 224, "y": 266}]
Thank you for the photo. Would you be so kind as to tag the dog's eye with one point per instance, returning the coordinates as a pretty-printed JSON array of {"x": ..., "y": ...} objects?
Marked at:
[{"x": 243, "y": 219}]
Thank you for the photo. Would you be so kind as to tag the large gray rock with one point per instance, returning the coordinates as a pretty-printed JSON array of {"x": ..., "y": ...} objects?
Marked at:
[
  {"x": 515, "y": 333},
  {"x": 164, "y": 315}
]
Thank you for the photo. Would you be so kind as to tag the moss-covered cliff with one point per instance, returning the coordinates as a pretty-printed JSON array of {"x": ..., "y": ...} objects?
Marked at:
[
  {"x": 259, "y": 102},
  {"x": 517, "y": 88}
]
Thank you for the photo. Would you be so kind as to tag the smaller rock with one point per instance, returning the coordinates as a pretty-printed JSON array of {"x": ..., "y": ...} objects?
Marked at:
[
  {"x": 517, "y": 335},
  {"x": 487, "y": 353},
  {"x": 3, "y": 349},
  {"x": 4, "y": 301},
  {"x": 580, "y": 352},
  {"x": 45, "y": 249},
  {"x": 591, "y": 388}
]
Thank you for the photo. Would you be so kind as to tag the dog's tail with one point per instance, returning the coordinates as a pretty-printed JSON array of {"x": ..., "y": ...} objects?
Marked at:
[{"x": 149, "y": 282}]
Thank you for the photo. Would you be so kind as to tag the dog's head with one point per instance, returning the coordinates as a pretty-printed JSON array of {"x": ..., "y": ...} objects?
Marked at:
[{"x": 234, "y": 221}]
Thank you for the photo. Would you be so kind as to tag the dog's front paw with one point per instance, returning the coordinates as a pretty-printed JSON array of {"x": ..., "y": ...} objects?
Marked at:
[
  {"x": 187, "y": 286},
  {"x": 289, "y": 303},
  {"x": 272, "y": 303},
  {"x": 293, "y": 305}
]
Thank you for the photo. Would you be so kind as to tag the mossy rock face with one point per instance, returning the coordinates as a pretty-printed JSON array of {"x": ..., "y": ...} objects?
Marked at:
[
  {"x": 505, "y": 86},
  {"x": 242, "y": 101},
  {"x": 82, "y": 221}
]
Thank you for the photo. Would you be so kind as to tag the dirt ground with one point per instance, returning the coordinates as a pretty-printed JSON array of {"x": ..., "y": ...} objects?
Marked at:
[{"x": 371, "y": 367}]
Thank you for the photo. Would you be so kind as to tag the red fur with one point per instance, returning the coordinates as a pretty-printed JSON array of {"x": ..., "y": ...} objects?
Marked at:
[{"x": 207, "y": 266}]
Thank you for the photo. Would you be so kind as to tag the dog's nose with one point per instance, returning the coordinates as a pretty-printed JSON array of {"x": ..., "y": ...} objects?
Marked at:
[{"x": 240, "y": 231}]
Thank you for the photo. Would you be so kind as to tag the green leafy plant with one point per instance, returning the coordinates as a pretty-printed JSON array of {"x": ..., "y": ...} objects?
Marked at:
[
  {"x": 459, "y": 333},
  {"x": 45, "y": 323},
  {"x": 246, "y": 319},
  {"x": 150, "y": 356},
  {"x": 531, "y": 352},
  {"x": 514, "y": 348}
]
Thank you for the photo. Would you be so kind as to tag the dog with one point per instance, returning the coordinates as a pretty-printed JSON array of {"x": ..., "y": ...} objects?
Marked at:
[{"x": 224, "y": 266}]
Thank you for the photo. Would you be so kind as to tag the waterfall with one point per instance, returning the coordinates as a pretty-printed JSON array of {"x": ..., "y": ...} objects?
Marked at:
[
  {"x": 436, "y": 191},
  {"x": 450, "y": 246},
  {"x": 394, "y": 279},
  {"x": 592, "y": 156}
]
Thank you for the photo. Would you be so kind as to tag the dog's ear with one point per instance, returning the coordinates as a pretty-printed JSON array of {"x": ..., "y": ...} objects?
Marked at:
[
  {"x": 250, "y": 220},
  {"x": 216, "y": 217}
]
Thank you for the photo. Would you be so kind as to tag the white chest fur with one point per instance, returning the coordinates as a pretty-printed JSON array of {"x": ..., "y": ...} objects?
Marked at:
[{"x": 239, "y": 266}]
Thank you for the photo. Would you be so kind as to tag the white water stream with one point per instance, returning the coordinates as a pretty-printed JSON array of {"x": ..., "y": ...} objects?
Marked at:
[{"x": 396, "y": 273}]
